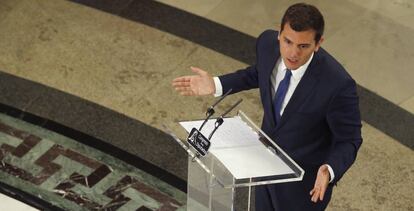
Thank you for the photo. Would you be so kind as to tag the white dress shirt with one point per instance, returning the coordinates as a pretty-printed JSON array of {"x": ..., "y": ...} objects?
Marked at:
[{"x": 277, "y": 75}]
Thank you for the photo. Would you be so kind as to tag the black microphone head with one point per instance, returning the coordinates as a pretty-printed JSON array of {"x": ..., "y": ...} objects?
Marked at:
[
  {"x": 219, "y": 121},
  {"x": 210, "y": 111}
]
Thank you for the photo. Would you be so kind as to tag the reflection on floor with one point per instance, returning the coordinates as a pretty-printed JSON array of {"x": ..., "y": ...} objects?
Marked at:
[{"x": 73, "y": 176}]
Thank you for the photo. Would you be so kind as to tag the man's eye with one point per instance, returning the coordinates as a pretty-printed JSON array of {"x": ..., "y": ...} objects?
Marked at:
[{"x": 304, "y": 46}]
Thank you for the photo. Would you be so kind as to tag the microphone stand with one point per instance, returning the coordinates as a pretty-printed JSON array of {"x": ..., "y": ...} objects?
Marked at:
[
  {"x": 196, "y": 137},
  {"x": 210, "y": 111},
  {"x": 220, "y": 120}
]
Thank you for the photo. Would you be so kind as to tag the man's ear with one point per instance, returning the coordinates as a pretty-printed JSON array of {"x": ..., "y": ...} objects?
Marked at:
[{"x": 318, "y": 45}]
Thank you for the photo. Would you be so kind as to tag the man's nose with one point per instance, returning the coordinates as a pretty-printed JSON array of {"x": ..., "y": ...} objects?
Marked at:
[{"x": 295, "y": 52}]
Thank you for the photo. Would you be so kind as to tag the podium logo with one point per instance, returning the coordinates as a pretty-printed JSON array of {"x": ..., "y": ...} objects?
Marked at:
[{"x": 200, "y": 143}]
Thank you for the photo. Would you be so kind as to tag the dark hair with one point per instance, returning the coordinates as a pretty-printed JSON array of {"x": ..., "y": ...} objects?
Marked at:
[{"x": 302, "y": 17}]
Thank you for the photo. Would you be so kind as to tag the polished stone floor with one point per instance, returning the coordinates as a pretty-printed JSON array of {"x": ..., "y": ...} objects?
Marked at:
[
  {"x": 73, "y": 176},
  {"x": 101, "y": 71}
]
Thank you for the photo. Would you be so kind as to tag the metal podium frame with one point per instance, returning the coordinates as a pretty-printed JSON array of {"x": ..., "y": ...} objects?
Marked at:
[{"x": 212, "y": 186}]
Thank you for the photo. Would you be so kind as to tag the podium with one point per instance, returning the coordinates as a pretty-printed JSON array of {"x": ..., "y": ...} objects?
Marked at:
[{"x": 241, "y": 156}]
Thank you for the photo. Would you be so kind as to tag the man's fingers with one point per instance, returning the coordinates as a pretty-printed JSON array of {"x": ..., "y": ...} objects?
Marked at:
[
  {"x": 187, "y": 93},
  {"x": 182, "y": 79},
  {"x": 312, "y": 191},
  {"x": 321, "y": 184},
  {"x": 318, "y": 192},
  {"x": 321, "y": 196},
  {"x": 183, "y": 89},
  {"x": 315, "y": 195},
  {"x": 181, "y": 84},
  {"x": 200, "y": 84},
  {"x": 322, "y": 193}
]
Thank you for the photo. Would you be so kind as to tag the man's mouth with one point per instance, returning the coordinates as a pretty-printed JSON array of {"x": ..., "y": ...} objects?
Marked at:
[{"x": 293, "y": 61}]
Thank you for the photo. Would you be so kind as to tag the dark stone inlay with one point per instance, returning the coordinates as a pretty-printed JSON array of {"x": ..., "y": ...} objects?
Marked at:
[
  {"x": 117, "y": 202},
  {"x": 29, "y": 141},
  {"x": 167, "y": 202},
  {"x": 16, "y": 132},
  {"x": 64, "y": 189},
  {"x": 93, "y": 178},
  {"x": 375, "y": 110},
  {"x": 29, "y": 199},
  {"x": 115, "y": 192},
  {"x": 143, "y": 208},
  {"x": 97, "y": 121},
  {"x": 4, "y": 149},
  {"x": 76, "y": 156},
  {"x": 387, "y": 117},
  {"x": 46, "y": 161},
  {"x": 49, "y": 168},
  {"x": 64, "y": 186},
  {"x": 107, "y": 5},
  {"x": 202, "y": 31},
  {"x": 16, "y": 172},
  {"x": 65, "y": 192}
]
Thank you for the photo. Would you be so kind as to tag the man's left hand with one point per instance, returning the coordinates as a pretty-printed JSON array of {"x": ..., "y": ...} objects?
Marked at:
[{"x": 321, "y": 184}]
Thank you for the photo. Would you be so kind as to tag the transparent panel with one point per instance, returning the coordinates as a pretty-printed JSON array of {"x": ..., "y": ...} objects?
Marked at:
[
  {"x": 198, "y": 182},
  {"x": 204, "y": 192},
  {"x": 241, "y": 156},
  {"x": 247, "y": 153}
]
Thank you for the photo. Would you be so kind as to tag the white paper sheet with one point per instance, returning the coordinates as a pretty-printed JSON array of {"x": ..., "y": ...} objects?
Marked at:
[
  {"x": 232, "y": 133},
  {"x": 238, "y": 147}
]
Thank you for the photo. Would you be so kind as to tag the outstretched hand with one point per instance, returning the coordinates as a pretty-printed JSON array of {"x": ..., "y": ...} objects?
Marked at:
[
  {"x": 200, "y": 84},
  {"x": 321, "y": 184}
]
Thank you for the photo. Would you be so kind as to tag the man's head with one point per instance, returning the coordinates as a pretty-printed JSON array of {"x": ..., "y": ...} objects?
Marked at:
[{"x": 300, "y": 34}]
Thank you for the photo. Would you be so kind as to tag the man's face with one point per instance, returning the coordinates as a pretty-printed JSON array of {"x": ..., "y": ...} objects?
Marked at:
[{"x": 297, "y": 47}]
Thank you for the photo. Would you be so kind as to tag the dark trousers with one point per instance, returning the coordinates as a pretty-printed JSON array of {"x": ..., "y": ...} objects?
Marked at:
[{"x": 290, "y": 196}]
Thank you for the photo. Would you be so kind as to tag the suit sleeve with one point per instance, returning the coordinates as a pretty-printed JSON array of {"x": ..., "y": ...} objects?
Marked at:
[
  {"x": 240, "y": 80},
  {"x": 345, "y": 124}
]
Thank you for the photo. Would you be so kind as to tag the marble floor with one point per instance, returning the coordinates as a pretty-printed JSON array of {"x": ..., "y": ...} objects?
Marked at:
[
  {"x": 73, "y": 176},
  {"x": 93, "y": 77}
]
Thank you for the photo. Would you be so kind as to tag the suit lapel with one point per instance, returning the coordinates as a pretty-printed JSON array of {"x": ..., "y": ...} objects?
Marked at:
[
  {"x": 302, "y": 91},
  {"x": 269, "y": 65}
]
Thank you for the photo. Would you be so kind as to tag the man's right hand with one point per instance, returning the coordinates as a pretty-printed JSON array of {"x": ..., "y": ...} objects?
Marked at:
[{"x": 200, "y": 84}]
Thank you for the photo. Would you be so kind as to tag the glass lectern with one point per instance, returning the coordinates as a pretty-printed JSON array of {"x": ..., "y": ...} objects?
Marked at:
[{"x": 241, "y": 155}]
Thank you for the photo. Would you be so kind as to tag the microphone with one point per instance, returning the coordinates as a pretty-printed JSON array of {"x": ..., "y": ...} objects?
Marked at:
[
  {"x": 220, "y": 120},
  {"x": 210, "y": 110},
  {"x": 200, "y": 143}
]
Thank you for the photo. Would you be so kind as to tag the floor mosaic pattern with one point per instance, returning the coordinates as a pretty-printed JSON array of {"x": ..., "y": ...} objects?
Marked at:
[{"x": 74, "y": 176}]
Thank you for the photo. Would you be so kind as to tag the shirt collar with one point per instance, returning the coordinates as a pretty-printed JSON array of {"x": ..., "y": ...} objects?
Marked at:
[{"x": 298, "y": 73}]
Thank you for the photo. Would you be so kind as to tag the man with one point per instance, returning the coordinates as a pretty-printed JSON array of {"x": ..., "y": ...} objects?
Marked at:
[{"x": 310, "y": 107}]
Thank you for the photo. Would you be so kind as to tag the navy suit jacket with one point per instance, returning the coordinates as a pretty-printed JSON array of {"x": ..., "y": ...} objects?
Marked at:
[{"x": 321, "y": 123}]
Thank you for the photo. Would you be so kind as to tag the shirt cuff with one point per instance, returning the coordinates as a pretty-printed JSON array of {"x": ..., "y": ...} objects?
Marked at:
[
  {"x": 331, "y": 173},
  {"x": 219, "y": 87}
]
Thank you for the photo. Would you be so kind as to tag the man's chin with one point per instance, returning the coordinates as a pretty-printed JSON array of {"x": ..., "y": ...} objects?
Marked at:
[{"x": 292, "y": 67}]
